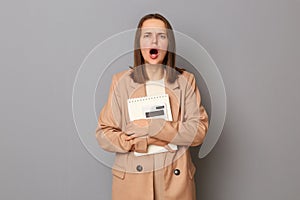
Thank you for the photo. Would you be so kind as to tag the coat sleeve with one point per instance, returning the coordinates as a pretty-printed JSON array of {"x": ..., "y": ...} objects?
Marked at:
[
  {"x": 192, "y": 129},
  {"x": 109, "y": 133}
]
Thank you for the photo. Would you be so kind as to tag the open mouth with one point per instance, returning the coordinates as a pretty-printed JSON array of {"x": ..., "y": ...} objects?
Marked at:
[{"x": 153, "y": 53}]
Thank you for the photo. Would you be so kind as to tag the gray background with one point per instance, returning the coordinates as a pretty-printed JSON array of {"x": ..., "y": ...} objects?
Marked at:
[{"x": 254, "y": 43}]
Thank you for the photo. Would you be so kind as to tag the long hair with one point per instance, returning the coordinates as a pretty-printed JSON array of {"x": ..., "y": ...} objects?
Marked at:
[{"x": 139, "y": 73}]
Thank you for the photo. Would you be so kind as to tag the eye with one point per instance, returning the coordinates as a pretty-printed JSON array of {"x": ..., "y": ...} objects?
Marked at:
[
  {"x": 146, "y": 35},
  {"x": 163, "y": 36}
]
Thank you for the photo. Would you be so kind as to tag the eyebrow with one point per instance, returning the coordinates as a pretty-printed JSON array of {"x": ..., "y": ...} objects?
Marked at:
[{"x": 151, "y": 32}]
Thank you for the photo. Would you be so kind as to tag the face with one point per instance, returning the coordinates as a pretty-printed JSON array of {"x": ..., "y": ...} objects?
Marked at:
[{"x": 153, "y": 41}]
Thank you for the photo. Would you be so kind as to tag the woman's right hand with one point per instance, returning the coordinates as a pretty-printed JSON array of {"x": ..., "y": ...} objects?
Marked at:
[{"x": 137, "y": 128}]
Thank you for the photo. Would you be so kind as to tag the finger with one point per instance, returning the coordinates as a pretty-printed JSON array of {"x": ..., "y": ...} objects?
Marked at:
[
  {"x": 130, "y": 137},
  {"x": 169, "y": 148},
  {"x": 129, "y": 132}
]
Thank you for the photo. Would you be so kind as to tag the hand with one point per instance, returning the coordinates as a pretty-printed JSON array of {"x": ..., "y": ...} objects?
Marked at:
[
  {"x": 137, "y": 128},
  {"x": 169, "y": 148}
]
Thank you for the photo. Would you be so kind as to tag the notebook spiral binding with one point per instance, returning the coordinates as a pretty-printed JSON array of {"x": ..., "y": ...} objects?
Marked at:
[{"x": 146, "y": 98}]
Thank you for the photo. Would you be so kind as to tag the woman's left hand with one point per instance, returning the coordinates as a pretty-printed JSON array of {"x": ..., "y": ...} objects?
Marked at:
[{"x": 137, "y": 128}]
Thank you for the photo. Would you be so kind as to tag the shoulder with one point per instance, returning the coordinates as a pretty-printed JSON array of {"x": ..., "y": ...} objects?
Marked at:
[
  {"x": 122, "y": 76},
  {"x": 187, "y": 74},
  {"x": 186, "y": 77}
]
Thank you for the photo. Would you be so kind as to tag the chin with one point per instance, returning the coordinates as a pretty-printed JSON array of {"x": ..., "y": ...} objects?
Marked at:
[{"x": 154, "y": 63}]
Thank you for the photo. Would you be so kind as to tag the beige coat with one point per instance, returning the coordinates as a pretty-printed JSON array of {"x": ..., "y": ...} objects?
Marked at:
[{"x": 133, "y": 177}]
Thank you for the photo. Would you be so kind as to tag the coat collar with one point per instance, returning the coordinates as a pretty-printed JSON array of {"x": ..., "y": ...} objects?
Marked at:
[{"x": 171, "y": 86}]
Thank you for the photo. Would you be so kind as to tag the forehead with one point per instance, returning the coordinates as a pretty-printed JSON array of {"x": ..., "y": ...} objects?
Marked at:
[{"x": 153, "y": 25}]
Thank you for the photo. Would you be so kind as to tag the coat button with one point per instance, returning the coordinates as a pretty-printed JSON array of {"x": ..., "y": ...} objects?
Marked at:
[
  {"x": 176, "y": 172},
  {"x": 139, "y": 168}
]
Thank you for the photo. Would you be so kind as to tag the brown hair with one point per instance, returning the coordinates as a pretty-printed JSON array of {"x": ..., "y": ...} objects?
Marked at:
[{"x": 139, "y": 73}]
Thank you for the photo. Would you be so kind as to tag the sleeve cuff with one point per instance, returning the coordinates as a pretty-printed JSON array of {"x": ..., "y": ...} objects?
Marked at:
[{"x": 141, "y": 145}]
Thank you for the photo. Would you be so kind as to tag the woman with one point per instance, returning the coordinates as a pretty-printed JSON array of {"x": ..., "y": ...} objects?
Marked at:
[{"x": 168, "y": 175}]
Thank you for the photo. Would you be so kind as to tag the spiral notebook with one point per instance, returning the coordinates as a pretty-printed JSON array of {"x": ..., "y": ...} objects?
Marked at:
[
  {"x": 157, "y": 106},
  {"x": 150, "y": 107}
]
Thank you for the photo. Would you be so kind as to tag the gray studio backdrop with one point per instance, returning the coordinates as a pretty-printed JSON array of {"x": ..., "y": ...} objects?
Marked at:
[{"x": 254, "y": 43}]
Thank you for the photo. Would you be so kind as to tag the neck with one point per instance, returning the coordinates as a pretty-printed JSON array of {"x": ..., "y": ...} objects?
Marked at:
[{"x": 154, "y": 72}]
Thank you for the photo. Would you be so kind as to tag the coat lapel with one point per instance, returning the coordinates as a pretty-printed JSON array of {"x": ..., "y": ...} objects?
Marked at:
[
  {"x": 136, "y": 90},
  {"x": 174, "y": 92}
]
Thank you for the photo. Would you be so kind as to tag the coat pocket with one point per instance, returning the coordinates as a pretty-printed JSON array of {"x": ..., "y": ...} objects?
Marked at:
[{"x": 118, "y": 174}]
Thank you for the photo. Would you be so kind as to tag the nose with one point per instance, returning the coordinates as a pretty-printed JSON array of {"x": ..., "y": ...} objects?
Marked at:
[{"x": 154, "y": 39}]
